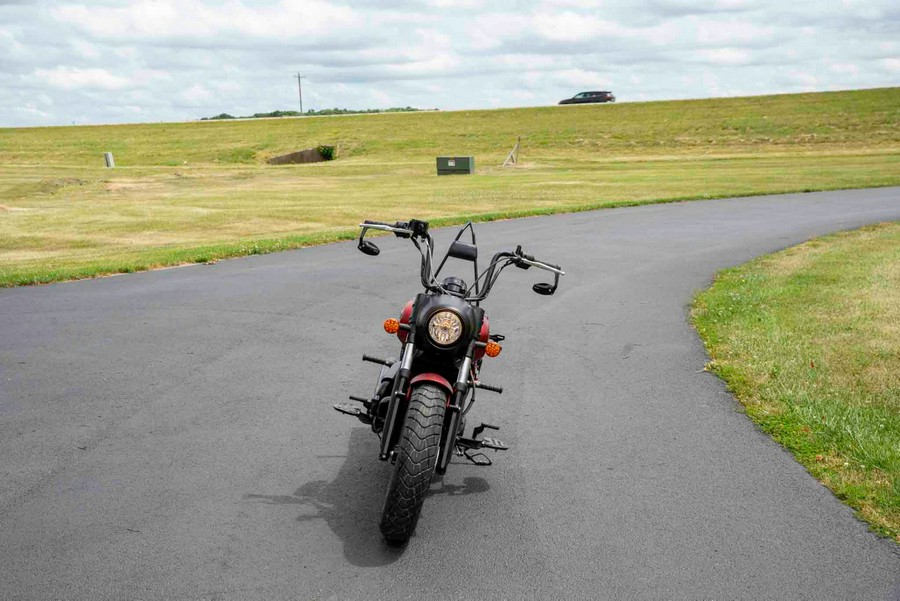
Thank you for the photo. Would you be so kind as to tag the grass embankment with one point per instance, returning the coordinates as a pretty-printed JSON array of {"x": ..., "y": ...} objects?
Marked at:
[
  {"x": 201, "y": 191},
  {"x": 808, "y": 339}
]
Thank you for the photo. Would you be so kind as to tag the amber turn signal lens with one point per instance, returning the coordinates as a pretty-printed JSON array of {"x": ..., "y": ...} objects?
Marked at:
[
  {"x": 391, "y": 326},
  {"x": 492, "y": 349}
]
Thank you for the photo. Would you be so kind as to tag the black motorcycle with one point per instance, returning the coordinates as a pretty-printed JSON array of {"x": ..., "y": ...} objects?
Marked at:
[{"x": 420, "y": 402}]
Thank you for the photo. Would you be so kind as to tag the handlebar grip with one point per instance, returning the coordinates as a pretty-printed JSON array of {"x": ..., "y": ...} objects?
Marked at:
[{"x": 367, "y": 222}]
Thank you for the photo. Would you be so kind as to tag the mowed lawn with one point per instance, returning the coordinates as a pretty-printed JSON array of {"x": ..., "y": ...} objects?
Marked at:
[
  {"x": 200, "y": 191},
  {"x": 809, "y": 341}
]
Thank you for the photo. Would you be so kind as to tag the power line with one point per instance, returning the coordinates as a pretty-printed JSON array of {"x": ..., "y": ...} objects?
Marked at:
[{"x": 300, "y": 79}]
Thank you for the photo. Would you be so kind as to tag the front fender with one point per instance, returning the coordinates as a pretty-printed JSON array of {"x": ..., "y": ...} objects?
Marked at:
[{"x": 434, "y": 378}]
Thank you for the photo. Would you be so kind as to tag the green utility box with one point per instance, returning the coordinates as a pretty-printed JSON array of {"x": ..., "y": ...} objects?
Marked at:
[{"x": 455, "y": 165}]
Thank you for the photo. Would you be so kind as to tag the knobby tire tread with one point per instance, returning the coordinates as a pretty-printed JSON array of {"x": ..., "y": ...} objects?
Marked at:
[{"x": 417, "y": 452}]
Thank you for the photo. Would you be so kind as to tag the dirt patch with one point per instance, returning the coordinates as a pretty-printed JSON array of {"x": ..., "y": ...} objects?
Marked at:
[
  {"x": 125, "y": 185},
  {"x": 52, "y": 185}
]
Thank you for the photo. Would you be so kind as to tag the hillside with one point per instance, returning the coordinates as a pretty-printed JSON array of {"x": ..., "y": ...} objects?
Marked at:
[
  {"x": 200, "y": 191},
  {"x": 850, "y": 120}
]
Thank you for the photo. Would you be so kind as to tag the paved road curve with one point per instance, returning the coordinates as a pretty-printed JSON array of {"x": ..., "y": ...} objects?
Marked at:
[{"x": 169, "y": 434}]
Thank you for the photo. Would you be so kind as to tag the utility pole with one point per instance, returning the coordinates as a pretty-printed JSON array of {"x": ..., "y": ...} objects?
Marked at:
[{"x": 300, "y": 79}]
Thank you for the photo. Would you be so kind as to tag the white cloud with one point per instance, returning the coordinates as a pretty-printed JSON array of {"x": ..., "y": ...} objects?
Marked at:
[
  {"x": 30, "y": 111},
  {"x": 197, "y": 21},
  {"x": 703, "y": 6},
  {"x": 725, "y": 56},
  {"x": 196, "y": 95},
  {"x": 457, "y": 3},
  {"x": 10, "y": 46},
  {"x": 85, "y": 49},
  {"x": 579, "y": 4},
  {"x": 732, "y": 32},
  {"x": 574, "y": 27},
  {"x": 845, "y": 68},
  {"x": 73, "y": 78},
  {"x": 808, "y": 81},
  {"x": 181, "y": 60}
]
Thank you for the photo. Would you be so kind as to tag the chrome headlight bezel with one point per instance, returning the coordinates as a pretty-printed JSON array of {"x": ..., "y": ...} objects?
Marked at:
[{"x": 456, "y": 325}]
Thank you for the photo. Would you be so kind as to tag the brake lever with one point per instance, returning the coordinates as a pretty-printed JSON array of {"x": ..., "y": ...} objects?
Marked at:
[
  {"x": 404, "y": 226},
  {"x": 519, "y": 256}
]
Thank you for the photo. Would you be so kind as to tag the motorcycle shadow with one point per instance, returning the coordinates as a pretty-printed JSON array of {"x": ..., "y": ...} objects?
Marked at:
[{"x": 351, "y": 503}]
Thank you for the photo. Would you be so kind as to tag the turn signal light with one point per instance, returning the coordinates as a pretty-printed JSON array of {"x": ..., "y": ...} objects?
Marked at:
[
  {"x": 391, "y": 326},
  {"x": 492, "y": 349}
]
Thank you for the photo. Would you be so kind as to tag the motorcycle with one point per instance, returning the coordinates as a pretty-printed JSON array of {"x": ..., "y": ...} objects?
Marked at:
[{"x": 420, "y": 402}]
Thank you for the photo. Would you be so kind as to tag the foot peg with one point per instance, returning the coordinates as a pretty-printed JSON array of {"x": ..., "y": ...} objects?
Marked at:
[
  {"x": 473, "y": 444},
  {"x": 353, "y": 410},
  {"x": 493, "y": 443},
  {"x": 378, "y": 360},
  {"x": 478, "y": 430}
]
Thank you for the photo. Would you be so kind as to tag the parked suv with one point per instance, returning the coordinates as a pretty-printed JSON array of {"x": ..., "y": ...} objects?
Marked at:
[{"x": 589, "y": 97}]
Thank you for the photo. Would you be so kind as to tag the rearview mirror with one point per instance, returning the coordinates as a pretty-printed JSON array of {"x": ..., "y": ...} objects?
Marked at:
[
  {"x": 368, "y": 248},
  {"x": 544, "y": 288}
]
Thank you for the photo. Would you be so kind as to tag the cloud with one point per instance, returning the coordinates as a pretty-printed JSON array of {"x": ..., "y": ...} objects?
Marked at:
[
  {"x": 725, "y": 56},
  {"x": 694, "y": 7},
  {"x": 155, "y": 60},
  {"x": 196, "y": 95},
  {"x": 199, "y": 23},
  {"x": 848, "y": 68},
  {"x": 73, "y": 78},
  {"x": 733, "y": 32}
]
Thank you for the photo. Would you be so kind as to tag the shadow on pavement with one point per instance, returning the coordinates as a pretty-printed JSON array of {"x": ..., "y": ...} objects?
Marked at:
[
  {"x": 471, "y": 485},
  {"x": 351, "y": 503}
]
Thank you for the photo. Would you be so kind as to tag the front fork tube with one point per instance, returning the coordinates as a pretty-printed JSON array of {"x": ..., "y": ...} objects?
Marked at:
[
  {"x": 397, "y": 393},
  {"x": 454, "y": 408}
]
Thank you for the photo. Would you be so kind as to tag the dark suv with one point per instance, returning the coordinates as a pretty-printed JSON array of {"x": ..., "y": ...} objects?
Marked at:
[{"x": 589, "y": 97}]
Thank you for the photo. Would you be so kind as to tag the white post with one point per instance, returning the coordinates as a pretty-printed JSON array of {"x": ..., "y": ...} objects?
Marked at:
[
  {"x": 513, "y": 156},
  {"x": 108, "y": 157}
]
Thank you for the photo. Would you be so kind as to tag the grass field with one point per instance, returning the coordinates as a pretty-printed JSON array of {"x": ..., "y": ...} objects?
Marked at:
[
  {"x": 201, "y": 191},
  {"x": 808, "y": 339}
]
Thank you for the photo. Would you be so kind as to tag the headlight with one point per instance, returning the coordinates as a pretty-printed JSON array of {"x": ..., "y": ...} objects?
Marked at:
[{"x": 445, "y": 327}]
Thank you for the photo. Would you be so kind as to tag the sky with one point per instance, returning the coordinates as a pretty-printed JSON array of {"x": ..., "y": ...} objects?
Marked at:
[{"x": 97, "y": 62}]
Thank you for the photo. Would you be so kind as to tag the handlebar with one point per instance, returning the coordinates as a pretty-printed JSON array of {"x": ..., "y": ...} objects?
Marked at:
[
  {"x": 397, "y": 229},
  {"x": 542, "y": 265},
  {"x": 530, "y": 261},
  {"x": 418, "y": 230}
]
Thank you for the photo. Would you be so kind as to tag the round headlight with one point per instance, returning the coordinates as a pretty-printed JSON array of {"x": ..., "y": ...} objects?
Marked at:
[{"x": 445, "y": 327}]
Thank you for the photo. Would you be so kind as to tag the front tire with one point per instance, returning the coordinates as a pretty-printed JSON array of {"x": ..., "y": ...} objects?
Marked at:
[{"x": 417, "y": 452}]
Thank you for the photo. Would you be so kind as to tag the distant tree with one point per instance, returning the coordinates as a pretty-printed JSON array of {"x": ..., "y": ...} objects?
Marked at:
[
  {"x": 334, "y": 111},
  {"x": 273, "y": 114}
]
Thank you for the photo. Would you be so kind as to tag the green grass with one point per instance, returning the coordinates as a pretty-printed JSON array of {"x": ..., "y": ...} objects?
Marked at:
[
  {"x": 185, "y": 192},
  {"x": 808, "y": 339}
]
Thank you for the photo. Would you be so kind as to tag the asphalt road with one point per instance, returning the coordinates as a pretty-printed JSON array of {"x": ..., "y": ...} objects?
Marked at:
[{"x": 170, "y": 434}]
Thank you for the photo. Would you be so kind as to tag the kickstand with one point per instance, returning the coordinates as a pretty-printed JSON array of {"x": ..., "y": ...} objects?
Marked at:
[{"x": 478, "y": 458}]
